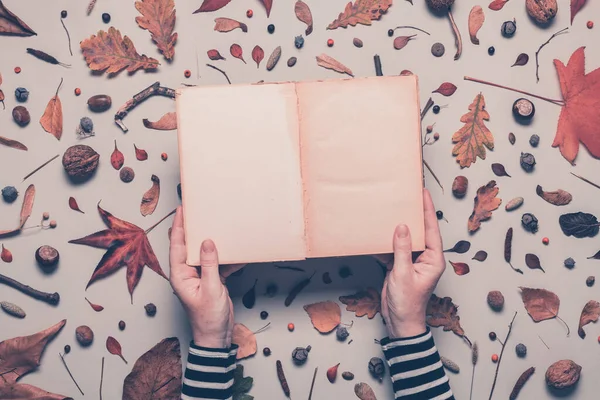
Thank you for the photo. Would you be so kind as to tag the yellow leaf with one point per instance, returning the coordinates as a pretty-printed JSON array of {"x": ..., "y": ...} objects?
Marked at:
[
  {"x": 472, "y": 139},
  {"x": 325, "y": 316}
]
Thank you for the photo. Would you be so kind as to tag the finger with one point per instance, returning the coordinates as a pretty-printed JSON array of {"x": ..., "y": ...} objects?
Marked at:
[
  {"x": 433, "y": 239},
  {"x": 227, "y": 270},
  {"x": 177, "y": 251},
  {"x": 402, "y": 248},
  {"x": 386, "y": 260},
  {"x": 209, "y": 264}
]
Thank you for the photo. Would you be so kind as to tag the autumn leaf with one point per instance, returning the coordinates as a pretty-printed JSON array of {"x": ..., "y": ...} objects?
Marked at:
[
  {"x": 116, "y": 158},
  {"x": 73, "y": 205},
  {"x": 328, "y": 62},
  {"x": 476, "y": 19},
  {"x": 446, "y": 89},
  {"x": 166, "y": 123},
  {"x": 212, "y": 5},
  {"x": 257, "y": 55},
  {"x": 236, "y": 51},
  {"x": 158, "y": 17},
  {"x": 325, "y": 316},
  {"x": 12, "y": 143},
  {"x": 365, "y": 302},
  {"x": 245, "y": 339},
  {"x": 558, "y": 197},
  {"x": 151, "y": 197},
  {"x": 127, "y": 245},
  {"x": 590, "y": 313},
  {"x": 156, "y": 374},
  {"x": 364, "y": 392},
  {"x": 110, "y": 52},
  {"x": 460, "y": 268},
  {"x": 26, "y": 209},
  {"x": 472, "y": 139},
  {"x": 541, "y": 304},
  {"x": 140, "y": 154},
  {"x": 214, "y": 55},
  {"x": 361, "y": 12},
  {"x": 576, "y": 5},
  {"x": 485, "y": 202},
  {"x": 52, "y": 120},
  {"x": 241, "y": 384},
  {"x": 442, "y": 312},
  {"x": 228, "y": 24},
  {"x": 579, "y": 118},
  {"x": 22, "y": 391},
  {"x": 497, "y": 5},
  {"x": 12, "y": 25},
  {"x": 268, "y": 4},
  {"x": 304, "y": 15}
]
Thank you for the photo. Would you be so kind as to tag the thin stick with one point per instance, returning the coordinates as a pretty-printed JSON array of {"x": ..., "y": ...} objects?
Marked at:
[
  {"x": 161, "y": 220},
  {"x": 412, "y": 27},
  {"x": 221, "y": 71},
  {"x": 101, "y": 377},
  {"x": 89, "y": 11},
  {"x": 40, "y": 167},
  {"x": 556, "y": 102},
  {"x": 58, "y": 88},
  {"x": 50, "y": 298},
  {"x": 457, "y": 38},
  {"x": 70, "y": 374},
  {"x": 68, "y": 36},
  {"x": 377, "y": 60},
  {"x": 153, "y": 90},
  {"x": 312, "y": 385},
  {"x": 433, "y": 174},
  {"x": 563, "y": 321},
  {"x": 544, "y": 342},
  {"x": 502, "y": 352},
  {"x": 537, "y": 63},
  {"x": 474, "y": 358},
  {"x": 427, "y": 107},
  {"x": 585, "y": 180}
]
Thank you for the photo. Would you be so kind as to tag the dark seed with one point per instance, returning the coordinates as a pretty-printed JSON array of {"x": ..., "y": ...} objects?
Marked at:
[
  {"x": 527, "y": 161},
  {"x": 521, "y": 350},
  {"x": 357, "y": 42},
  {"x": 491, "y": 50},
  {"x": 492, "y": 335},
  {"x": 534, "y": 140},
  {"x": 438, "y": 49},
  {"x": 264, "y": 315},
  {"x": 508, "y": 29},
  {"x": 63, "y": 14},
  {"x": 126, "y": 174},
  {"x": 590, "y": 281},
  {"x": 271, "y": 28},
  {"x": 21, "y": 116},
  {"x": 150, "y": 309},
  {"x": 292, "y": 61},
  {"x": 347, "y": 375},
  {"x": 530, "y": 223},
  {"x": 390, "y": 32},
  {"x": 106, "y": 18},
  {"x": 436, "y": 109},
  {"x": 267, "y": 352},
  {"x": 511, "y": 138},
  {"x": 47, "y": 256},
  {"x": 122, "y": 325},
  {"x": 523, "y": 109},
  {"x": 67, "y": 347}
]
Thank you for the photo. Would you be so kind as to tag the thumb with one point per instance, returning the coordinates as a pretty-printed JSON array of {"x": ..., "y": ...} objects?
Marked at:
[
  {"x": 402, "y": 248},
  {"x": 209, "y": 263}
]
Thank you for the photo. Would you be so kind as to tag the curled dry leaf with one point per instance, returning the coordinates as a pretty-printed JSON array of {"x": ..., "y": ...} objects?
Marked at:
[
  {"x": 140, "y": 154},
  {"x": 158, "y": 17},
  {"x": 304, "y": 15},
  {"x": 579, "y": 224},
  {"x": 12, "y": 143},
  {"x": 361, "y": 12},
  {"x": 116, "y": 158},
  {"x": 25, "y": 213},
  {"x": 52, "y": 119},
  {"x": 497, "y": 5},
  {"x": 485, "y": 202},
  {"x": 576, "y": 6},
  {"x": 156, "y": 374},
  {"x": 364, "y": 392},
  {"x": 590, "y": 313},
  {"x": 365, "y": 302},
  {"x": 214, "y": 55},
  {"x": 110, "y": 52},
  {"x": 476, "y": 19},
  {"x": 443, "y": 312},
  {"x": 533, "y": 262},
  {"x": 325, "y": 61},
  {"x": 114, "y": 347},
  {"x": 268, "y": 4},
  {"x": 325, "y": 316},
  {"x": 257, "y": 55},
  {"x": 6, "y": 255},
  {"x": 461, "y": 247},
  {"x": 212, "y": 5},
  {"x": 274, "y": 58},
  {"x": 150, "y": 198},
  {"x": 513, "y": 204},
  {"x": 401, "y": 41},
  {"x": 166, "y": 123},
  {"x": 446, "y": 89},
  {"x": 228, "y": 24},
  {"x": 460, "y": 268},
  {"x": 522, "y": 59},
  {"x": 472, "y": 139},
  {"x": 558, "y": 197},
  {"x": 237, "y": 52},
  {"x": 245, "y": 339},
  {"x": 95, "y": 307},
  {"x": 481, "y": 255},
  {"x": 499, "y": 170},
  {"x": 73, "y": 205},
  {"x": 12, "y": 25}
]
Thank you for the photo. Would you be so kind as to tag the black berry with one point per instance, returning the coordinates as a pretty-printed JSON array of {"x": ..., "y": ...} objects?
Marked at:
[
  {"x": 122, "y": 325},
  {"x": 436, "y": 109},
  {"x": 521, "y": 350},
  {"x": 264, "y": 315},
  {"x": 63, "y": 14},
  {"x": 267, "y": 351},
  {"x": 390, "y": 32},
  {"x": 491, "y": 50},
  {"x": 590, "y": 281},
  {"x": 9, "y": 194},
  {"x": 67, "y": 349},
  {"x": 106, "y": 18},
  {"x": 271, "y": 28},
  {"x": 492, "y": 335},
  {"x": 439, "y": 214},
  {"x": 150, "y": 309},
  {"x": 345, "y": 272}
]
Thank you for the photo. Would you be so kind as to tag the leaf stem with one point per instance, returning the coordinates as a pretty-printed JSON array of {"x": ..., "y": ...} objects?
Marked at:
[
  {"x": 412, "y": 27},
  {"x": 221, "y": 71},
  {"x": 70, "y": 374},
  {"x": 537, "y": 63},
  {"x": 101, "y": 377},
  {"x": 457, "y": 38},
  {"x": 563, "y": 321},
  {"x": 161, "y": 220},
  {"x": 586, "y": 181},
  {"x": 502, "y": 352},
  {"x": 41, "y": 166},
  {"x": 556, "y": 102}
]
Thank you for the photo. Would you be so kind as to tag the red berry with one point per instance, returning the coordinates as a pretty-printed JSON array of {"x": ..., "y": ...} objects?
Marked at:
[
  {"x": 164, "y": 156},
  {"x": 494, "y": 358},
  {"x": 291, "y": 327},
  {"x": 249, "y": 13},
  {"x": 590, "y": 24},
  {"x": 187, "y": 73},
  {"x": 330, "y": 42},
  {"x": 545, "y": 241},
  {"x": 598, "y": 339},
  {"x": 17, "y": 70},
  {"x": 77, "y": 91}
]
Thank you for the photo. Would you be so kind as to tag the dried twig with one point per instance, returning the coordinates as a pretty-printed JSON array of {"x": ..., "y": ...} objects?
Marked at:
[
  {"x": 586, "y": 181},
  {"x": 537, "y": 63},
  {"x": 50, "y": 298},
  {"x": 553, "y": 101},
  {"x": 159, "y": 221},
  {"x": 91, "y": 6},
  {"x": 153, "y": 90},
  {"x": 502, "y": 352},
  {"x": 411, "y": 27},
  {"x": 474, "y": 358},
  {"x": 457, "y": 38},
  {"x": 70, "y": 374},
  {"x": 40, "y": 167},
  {"x": 433, "y": 174},
  {"x": 221, "y": 71},
  {"x": 282, "y": 380},
  {"x": 101, "y": 377},
  {"x": 312, "y": 385},
  {"x": 68, "y": 36},
  {"x": 377, "y": 60}
]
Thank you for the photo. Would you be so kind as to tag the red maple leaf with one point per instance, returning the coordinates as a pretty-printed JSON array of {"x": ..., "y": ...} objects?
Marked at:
[
  {"x": 127, "y": 244},
  {"x": 579, "y": 119}
]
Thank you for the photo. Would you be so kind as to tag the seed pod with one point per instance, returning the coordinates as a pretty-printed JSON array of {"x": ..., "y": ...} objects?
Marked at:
[
  {"x": 47, "y": 256},
  {"x": 84, "y": 335},
  {"x": 450, "y": 365},
  {"x": 527, "y": 162},
  {"x": 282, "y": 379},
  {"x": 21, "y": 94},
  {"x": 5, "y": 254},
  {"x": 377, "y": 368},
  {"x": 291, "y": 61},
  {"x": 347, "y": 375},
  {"x": 12, "y": 309},
  {"x": 521, "y": 382},
  {"x": 299, "y": 42},
  {"x": 514, "y": 204},
  {"x": 21, "y": 116},
  {"x": 99, "y": 103},
  {"x": 529, "y": 222},
  {"x": 357, "y": 42}
]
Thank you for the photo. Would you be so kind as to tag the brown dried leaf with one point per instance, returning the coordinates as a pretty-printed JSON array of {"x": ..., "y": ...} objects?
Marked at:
[
  {"x": 541, "y": 304},
  {"x": 401, "y": 41},
  {"x": 52, "y": 120},
  {"x": 461, "y": 247},
  {"x": 116, "y": 158},
  {"x": 95, "y": 307},
  {"x": 442, "y": 312},
  {"x": 274, "y": 58},
  {"x": 22, "y": 391},
  {"x": 27, "y": 206},
  {"x": 522, "y": 59},
  {"x": 150, "y": 198},
  {"x": 158, "y": 17},
  {"x": 460, "y": 268},
  {"x": 446, "y": 89},
  {"x": 499, "y": 170},
  {"x": 228, "y": 24},
  {"x": 497, "y": 5},
  {"x": 156, "y": 374},
  {"x": 303, "y": 14},
  {"x": 576, "y": 6},
  {"x": 12, "y": 143},
  {"x": 476, "y": 19},
  {"x": 212, "y": 5},
  {"x": 268, "y": 4},
  {"x": 364, "y": 392},
  {"x": 214, "y": 55},
  {"x": 361, "y": 12},
  {"x": 237, "y": 52},
  {"x": 21, "y": 355},
  {"x": 110, "y": 52},
  {"x": 140, "y": 154},
  {"x": 590, "y": 313},
  {"x": 558, "y": 197},
  {"x": 73, "y": 205},
  {"x": 114, "y": 347},
  {"x": 485, "y": 202},
  {"x": 166, "y": 123},
  {"x": 331, "y": 63},
  {"x": 472, "y": 139},
  {"x": 12, "y": 25},
  {"x": 365, "y": 302},
  {"x": 257, "y": 55},
  {"x": 245, "y": 339},
  {"x": 481, "y": 255},
  {"x": 533, "y": 262},
  {"x": 325, "y": 316}
]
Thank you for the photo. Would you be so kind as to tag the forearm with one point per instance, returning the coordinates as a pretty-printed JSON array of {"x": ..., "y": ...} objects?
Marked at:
[
  {"x": 209, "y": 373},
  {"x": 415, "y": 368}
]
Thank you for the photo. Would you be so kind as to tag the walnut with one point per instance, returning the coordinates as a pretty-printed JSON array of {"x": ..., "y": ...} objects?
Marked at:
[
  {"x": 542, "y": 10},
  {"x": 459, "y": 186},
  {"x": 563, "y": 374},
  {"x": 80, "y": 162},
  {"x": 84, "y": 335},
  {"x": 496, "y": 300}
]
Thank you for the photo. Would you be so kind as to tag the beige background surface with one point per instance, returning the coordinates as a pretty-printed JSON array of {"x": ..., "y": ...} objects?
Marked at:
[{"x": 196, "y": 36}]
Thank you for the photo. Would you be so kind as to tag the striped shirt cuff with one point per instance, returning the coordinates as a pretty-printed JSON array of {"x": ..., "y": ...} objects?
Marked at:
[
  {"x": 416, "y": 369},
  {"x": 209, "y": 373}
]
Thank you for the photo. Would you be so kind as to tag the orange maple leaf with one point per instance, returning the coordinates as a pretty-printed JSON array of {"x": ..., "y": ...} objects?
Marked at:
[
  {"x": 361, "y": 12},
  {"x": 579, "y": 118},
  {"x": 485, "y": 202},
  {"x": 472, "y": 139},
  {"x": 158, "y": 17}
]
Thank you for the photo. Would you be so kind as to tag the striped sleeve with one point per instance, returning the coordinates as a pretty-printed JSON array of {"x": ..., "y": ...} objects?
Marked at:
[
  {"x": 415, "y": 367},
  {"x": 209, "y": 373}
]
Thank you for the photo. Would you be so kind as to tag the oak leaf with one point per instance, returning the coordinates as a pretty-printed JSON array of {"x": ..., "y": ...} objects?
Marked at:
[
  {"x": 579, "y": 118},
  {"x": 443, "y": 312},
  {"x": 476, "y": 19},
  {"x": 541, "y": 304},
  {"x": 52, "y": 120},
  {"x": 328, "y": 62},
  {"x": 12, "y": 25},
  {"x": 127, "y": 245},
  {"x": 365, "y": 302},
  {"x": 166, "y": 123},
  {"x": 245, "y": 339},
  {"x": 25, "y": 213},
  {"x": 151, "y": 197},
  {"x": 325, "y": 316},
  {"x": 472, "y": 139},
  {"x": 110, "y": 52},
  {"x": 590, "y": 313},
  {"x": 158, "y": 17},
  {"x": 212, "y": 5},
  {"x": 361, "y": 12},
  {"x": 304, "y": 15},
  {"x": 156, "y": 375},
  {"x": 485, "y": 202}
]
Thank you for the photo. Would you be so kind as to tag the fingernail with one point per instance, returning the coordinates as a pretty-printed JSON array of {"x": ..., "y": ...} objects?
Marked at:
[
  {"x": 208, "y": 246},
  {"x": 402, "y": 231}
]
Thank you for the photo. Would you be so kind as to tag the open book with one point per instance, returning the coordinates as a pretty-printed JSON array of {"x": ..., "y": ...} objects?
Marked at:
[{"x": 288, "y": 171}]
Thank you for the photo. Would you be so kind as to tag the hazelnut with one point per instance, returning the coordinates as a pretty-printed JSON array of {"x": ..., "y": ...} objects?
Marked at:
[
  {"x": 84, "y": 335},
  {"x": 459, "y": 186},
  {"x": 542, "y": 10},
  {"x": 496, "y": 300},
  {"x": 21, "y": 116},
  {"x": 563, "y": 374}
]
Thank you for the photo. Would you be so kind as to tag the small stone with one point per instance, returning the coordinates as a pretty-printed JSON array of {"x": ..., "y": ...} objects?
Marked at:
[
  {"x": 527, "y": 162},
  {"x": 10, "y": 194},
  {"x": 300, "y": 355},
  {"x": 291, "y": 61},
  {"x": 150, "y": 309},
  {"x": 122, "y": 325},
  {"x": 357, "y": 42},
  {"x": 521, "y": 350},
  {"x": 299, "y": 42},
  {"x": 569, "y": 263},
  {"x": 347, "y": 375},
  {"x": 377, "y": 368},
  {"x": 534, "y": 140},
  {"x": 529, "y": 222},
  {"x": 21, "y": 94},
  {"x": 12, "y": 309},
  {"x": 508, "y": 28},
  {"x": 590, "y": 281},
  {"x": 21, "y": 116},
  {"x": 47, "y": 256},
  {"x": 341, "y": 333},
  {"x": 495, "y": 300},
  {"x": 437, "y": 49},
  {"x": 84, "y": 335},
  {"x": 127, "y": 174}
]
